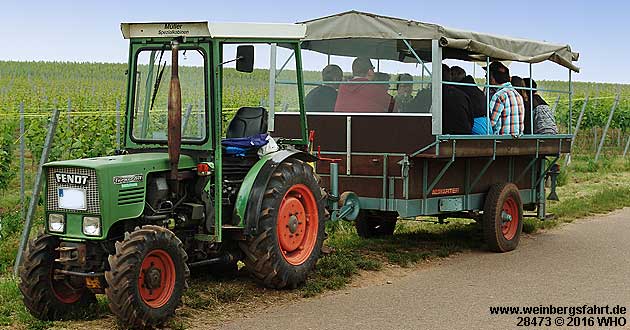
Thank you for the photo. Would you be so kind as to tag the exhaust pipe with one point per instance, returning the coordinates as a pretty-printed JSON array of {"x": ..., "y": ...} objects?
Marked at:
[{"x": 174, "y": 119}]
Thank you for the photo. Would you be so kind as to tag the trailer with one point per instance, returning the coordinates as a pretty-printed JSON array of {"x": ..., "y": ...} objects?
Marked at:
[{"x": 400, "y": 165}]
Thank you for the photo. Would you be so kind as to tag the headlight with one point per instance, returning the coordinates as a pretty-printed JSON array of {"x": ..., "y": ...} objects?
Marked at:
[
  {"x": 56, "y": 222},
  {"x": 92, "y": 226}
]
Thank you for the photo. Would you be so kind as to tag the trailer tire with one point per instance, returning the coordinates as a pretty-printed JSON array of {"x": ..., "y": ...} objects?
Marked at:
[
  {"x": 147, "y": 278},
  {"x": 503, "y": 217},
  {"x": 370, "y": 224},
  {"x": 290, "y": 232},
  {"x": 46, "y": 298}
]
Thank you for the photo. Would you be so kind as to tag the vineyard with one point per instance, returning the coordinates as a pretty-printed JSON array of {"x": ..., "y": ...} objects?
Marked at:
[
  {"x": 88, "y": 95},
  {"x": 92, "y": 96}
]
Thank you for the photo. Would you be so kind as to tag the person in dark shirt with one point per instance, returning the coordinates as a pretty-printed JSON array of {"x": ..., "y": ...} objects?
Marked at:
[
  {"x": 477, "y": 100},
  {"x": 403, "y": 97},
  {"x": 456, "y": 107},
  {"x": 421, "y": 103},
  {"x": 323, "y": 98},
  {"x": 519, "y": 82}
]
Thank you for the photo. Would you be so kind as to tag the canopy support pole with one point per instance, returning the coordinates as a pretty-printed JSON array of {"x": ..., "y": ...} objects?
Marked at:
[
  {"x": 436, "y": 89},
  {"x": 570, "y": 103},
  {"x": 424, "y": 67},
  {"x": 488, "y": 123},
  {"x": 531, "y": 101}
]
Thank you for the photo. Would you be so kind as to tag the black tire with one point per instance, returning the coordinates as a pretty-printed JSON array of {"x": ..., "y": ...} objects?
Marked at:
[
  {"x": 265, "y": 260},
  {"x": 127, "y": 292},
  {"x": 370, "y": 224},
  {"x": 46, "y": 298},
  {"x": 502, "y": 235}
]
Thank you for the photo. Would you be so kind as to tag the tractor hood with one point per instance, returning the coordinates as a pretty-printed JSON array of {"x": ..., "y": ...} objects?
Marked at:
[
  {"x": 114, "y": 187},
  {"x": 152, "y": 161}
]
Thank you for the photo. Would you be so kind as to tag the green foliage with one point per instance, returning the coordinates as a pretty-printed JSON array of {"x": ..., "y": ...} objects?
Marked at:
[
  {"x": 598, "y": 106},
  {"x": 12, "y": 311},
  {"x": 7, "y": 170}
]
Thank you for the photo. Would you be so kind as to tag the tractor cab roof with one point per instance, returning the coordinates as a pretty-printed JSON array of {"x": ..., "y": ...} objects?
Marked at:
[{"x": 282, "y": 31}]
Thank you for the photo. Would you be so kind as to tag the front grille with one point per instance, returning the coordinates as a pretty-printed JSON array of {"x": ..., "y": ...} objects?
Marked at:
[
  {"x": 91, "y": 189},
  {"x": 131, "y": 196}
]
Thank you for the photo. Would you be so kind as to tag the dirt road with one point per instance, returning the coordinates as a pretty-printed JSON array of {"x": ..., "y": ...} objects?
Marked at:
[{"x": 586, "y": 262}]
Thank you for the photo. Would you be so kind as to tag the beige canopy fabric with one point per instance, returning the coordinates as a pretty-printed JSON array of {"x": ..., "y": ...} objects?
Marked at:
[{"x": 356, "y": 33}]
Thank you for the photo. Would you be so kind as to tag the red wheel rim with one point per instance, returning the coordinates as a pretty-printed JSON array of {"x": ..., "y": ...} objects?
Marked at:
[
  {"x": 156, "y": 281},
  {"x": 298, "y": 224},
  {"x": 509, "y": 218},
  {"x": 64, "y": 292}
]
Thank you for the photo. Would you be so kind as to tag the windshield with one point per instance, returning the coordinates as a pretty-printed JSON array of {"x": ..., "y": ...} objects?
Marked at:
[{"x": 153, "y": 71}]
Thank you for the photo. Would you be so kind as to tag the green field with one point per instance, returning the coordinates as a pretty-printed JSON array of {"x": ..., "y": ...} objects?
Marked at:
[{"x": 93, "y": 89}]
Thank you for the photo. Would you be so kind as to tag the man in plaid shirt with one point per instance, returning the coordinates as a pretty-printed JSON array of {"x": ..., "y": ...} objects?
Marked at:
[{"x": 507, "y": 110}]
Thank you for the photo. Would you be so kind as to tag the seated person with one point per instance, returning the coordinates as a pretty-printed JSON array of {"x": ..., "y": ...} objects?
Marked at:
[
  {"x": 456, "y": 107},
  {"x": 477, "y": 100},
  {"x": 507, "y": 108},
  {"x": 544, "y": 119},
  {"x": 384, "y": 77},
  {"x": 421, "y": 103},
  {"x": 359, "y": 97},
  {"x": 517, "y": 81},
  {"x": 403, "y": 98},
  {"x": 323, "y": 98}
]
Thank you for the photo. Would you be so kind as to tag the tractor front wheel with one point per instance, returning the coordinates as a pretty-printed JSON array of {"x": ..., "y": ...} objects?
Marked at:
[
  {"x": 147, "y": 277},
  {"x": 46, "y": 297},
  {"x": 290, "y": 230}
]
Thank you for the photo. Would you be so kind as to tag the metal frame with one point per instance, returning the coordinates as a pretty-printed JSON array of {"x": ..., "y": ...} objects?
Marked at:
[
  {"x": 271, "y": 107},
  {"x": 436, "y": 89}
]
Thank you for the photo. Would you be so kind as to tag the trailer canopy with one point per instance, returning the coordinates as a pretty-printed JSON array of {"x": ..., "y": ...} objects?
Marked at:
[{"x": 356, "y": 33}]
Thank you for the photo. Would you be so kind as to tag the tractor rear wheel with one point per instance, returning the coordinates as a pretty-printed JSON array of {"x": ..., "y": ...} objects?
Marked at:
[
  {"x": 147, "y": 277},
  {"x": 290, "y": 230},
  {"x": 371, "y": 224},
  {"x": 503, "y": 217},
  {"x": 45, "y": 297}
]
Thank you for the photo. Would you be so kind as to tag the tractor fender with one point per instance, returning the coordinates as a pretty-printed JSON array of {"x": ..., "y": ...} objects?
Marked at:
[{"x": 249, "y": 198}]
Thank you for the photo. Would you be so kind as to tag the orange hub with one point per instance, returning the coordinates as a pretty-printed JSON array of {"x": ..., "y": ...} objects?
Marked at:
[
  {"x": 509, "y": 218},
  {"x": 156, "y": 281},
  {"x": 298, "y": 224}
]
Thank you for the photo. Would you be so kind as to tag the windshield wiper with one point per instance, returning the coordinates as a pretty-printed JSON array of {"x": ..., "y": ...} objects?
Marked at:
[{"x": 156, "y": 86}]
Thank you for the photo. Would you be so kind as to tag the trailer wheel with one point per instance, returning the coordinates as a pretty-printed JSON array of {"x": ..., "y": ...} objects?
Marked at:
[
  {"x": 290, "y": 230},
  {"x": 147, "y": 277},
  {"x": 503, "y": 217},
  {"x": 375, "y": 223},
  {"x": 45, "y": 297}
]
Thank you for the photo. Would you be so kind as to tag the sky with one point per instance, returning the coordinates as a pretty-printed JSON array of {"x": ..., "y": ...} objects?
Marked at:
[{"x": 89, "y": 31}]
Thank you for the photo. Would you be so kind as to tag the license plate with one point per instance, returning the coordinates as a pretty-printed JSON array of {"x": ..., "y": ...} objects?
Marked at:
[{"x": 72, "y": 198}]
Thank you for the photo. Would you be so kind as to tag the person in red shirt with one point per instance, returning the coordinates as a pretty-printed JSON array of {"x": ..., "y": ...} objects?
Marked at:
[{"x": 359, "y": 97}]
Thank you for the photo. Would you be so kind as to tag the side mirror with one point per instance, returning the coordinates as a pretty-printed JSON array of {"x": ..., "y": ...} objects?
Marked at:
[{"x": 245, "y": 58}]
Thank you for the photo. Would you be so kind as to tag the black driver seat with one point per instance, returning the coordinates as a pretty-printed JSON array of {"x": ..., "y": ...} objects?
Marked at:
[{"x": 248, "y": 121}]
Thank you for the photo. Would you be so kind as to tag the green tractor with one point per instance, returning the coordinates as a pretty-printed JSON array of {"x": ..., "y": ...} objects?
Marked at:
[{"x": 187, "y": 191}]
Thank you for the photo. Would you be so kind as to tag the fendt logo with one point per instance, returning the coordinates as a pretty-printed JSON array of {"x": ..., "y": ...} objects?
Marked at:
[{"x": 71, "y": 178}]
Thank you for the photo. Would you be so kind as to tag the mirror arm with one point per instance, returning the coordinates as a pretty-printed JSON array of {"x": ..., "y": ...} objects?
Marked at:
[{"x": 234, "y": 60}]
